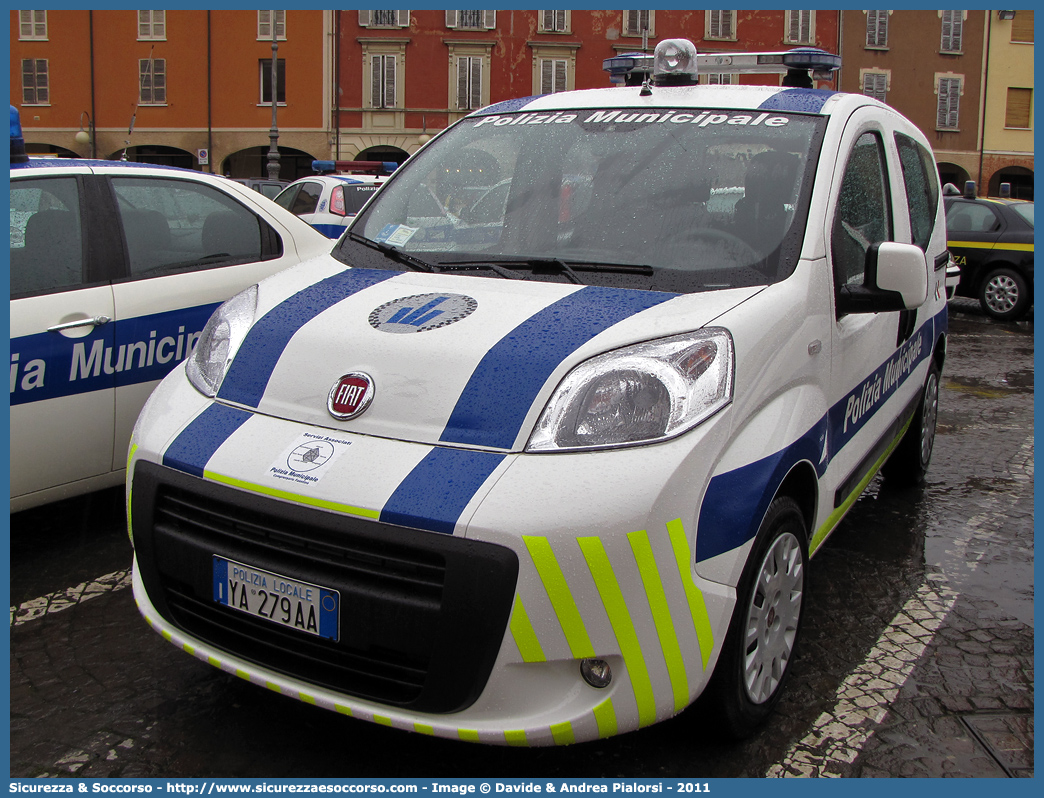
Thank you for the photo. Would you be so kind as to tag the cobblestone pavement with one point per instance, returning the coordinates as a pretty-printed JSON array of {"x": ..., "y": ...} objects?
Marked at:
[{"x": 916, "y": 660}]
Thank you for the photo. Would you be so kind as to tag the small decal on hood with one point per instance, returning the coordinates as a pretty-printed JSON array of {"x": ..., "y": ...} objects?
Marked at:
[
  {"x": 421, "y": 313},
  {"x": 308, "y": 458}
]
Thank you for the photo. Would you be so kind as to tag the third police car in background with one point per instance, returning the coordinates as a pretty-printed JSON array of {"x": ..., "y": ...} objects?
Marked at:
[
  {"x": 546, "y": 464},
  {"x": 329, "y": 202}
]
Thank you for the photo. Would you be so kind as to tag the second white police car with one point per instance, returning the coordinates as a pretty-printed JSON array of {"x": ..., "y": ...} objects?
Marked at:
[
  {"x": 544, "y": 465},
  {"x": 115, "y": 268}
]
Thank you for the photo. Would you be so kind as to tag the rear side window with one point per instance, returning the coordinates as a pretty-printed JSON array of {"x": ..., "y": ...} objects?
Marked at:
[
  {"x": 863, "y": 215},
  {"x": 305, "y": 200},
  {"x": 971, "y": 217},
  {"x": 178, "y": 225},
  {"x": 46, "y": 236},
  {"x": 922, "y": 188}
]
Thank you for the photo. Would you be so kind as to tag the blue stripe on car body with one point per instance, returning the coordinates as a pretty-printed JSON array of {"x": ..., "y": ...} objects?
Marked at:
[
  {"x": 501, "y": 391},
  {"x": 802, "y": 101},
  {"x": 267, "y": 339},
  {"x": 736, "y": 501},
  {"x": 435, "y": 493},
  {"x": 192, "y": 449}
]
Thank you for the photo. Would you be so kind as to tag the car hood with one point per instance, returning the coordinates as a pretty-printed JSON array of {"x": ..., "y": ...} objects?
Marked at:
[{"x": 462, "y": 361}]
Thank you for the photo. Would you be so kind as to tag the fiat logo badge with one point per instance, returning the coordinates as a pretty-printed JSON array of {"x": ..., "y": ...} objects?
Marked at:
[{"x": 350, "y": 395}]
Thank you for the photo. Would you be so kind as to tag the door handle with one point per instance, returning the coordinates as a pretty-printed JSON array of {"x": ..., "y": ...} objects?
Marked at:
[{"x": 96, "y": 321}]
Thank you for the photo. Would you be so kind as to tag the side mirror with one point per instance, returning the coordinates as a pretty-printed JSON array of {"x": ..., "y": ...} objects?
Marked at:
[{"x": 895, "y": 278}]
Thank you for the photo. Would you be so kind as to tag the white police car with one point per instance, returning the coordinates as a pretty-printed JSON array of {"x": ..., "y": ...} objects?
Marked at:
[
  {"x": 546, "y": 470},
  {"x": 329, "y": 202},
  {"x": 115, "y": 267}
]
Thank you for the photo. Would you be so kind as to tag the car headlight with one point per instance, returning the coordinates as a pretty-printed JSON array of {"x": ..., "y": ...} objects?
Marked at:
[
  {"x": 218, "y": 343},
  {"x": 639, "y": 394}
]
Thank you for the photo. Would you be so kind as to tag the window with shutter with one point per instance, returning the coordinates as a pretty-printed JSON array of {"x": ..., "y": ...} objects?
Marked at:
[
  {"x": 32, "y": 25},
  {"x": 554, "y": 21},
  {"x": 637, "y": 21},
  {"x": 469, "y": 83},
  {"x": 947, "y": 116},
  {"x": 382, "y": 81},
  {"x": 152, "y": 24},
  {"x": 152, "y": 81},
  {"x": 264, "y": 25},
  {"x": 952, "y": 31},
  {"x": 799, "y": 27},
  {"x": 876, "y": 28},
  {"x": 720, "y": 25},
  {"x": 34, "y": 81},
  {"x": 875, "y": 84},
  {"x": 1017, "y": 112},
  {"x": 1022, "y": 27},
  {"x": 552, "y": 75}
]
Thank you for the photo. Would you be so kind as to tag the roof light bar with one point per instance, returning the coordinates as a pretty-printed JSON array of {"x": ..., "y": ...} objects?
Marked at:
[
  {"x": 376, "y": 167},
  {"x": 677, "y": 61}
]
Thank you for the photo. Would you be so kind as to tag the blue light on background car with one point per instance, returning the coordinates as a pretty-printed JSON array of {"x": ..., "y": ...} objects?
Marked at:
[{"x": 18, "y": 154}]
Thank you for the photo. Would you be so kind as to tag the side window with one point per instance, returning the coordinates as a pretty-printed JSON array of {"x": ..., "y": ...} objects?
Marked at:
[
  {"x": 922, "y": 188},
  {"x": 177, "y": 225},
  {"x": 46, "y": 236},
  {"x": 307, "y": 199},
  {"x": 971, "y": 217},
  {"x": 863, "y": 215}
]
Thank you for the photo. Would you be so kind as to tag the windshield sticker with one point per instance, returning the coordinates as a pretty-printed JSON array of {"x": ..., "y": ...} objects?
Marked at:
[
  {"x": 308, "y": 458},
  {"x": 621, "y": 116},
  {"x": 395, "y": 235}
]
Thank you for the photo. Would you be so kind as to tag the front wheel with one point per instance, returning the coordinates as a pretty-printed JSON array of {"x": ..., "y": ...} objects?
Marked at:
[
  {"x": 763, "y": 634},
  {"x": 1004, "y": 294}
]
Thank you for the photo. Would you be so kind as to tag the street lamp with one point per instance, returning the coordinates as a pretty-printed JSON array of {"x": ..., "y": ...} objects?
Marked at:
[
  {"x": 273, "y": 134},
  {"x": 1006, "y": 14},
  {"x": 86, "y": 136}
]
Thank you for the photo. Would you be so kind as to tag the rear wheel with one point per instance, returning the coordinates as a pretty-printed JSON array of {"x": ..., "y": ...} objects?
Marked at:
[
  {"x": 908, "y": 464},
  {"x": 763, "y": 634},
  {"x": 1004, "y": 294}
]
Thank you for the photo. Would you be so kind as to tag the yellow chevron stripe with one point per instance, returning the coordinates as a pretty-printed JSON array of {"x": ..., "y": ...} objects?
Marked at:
[
  {"x": 623, "y": 626},
  {"x": 697, "y": 606},
  {"x": 672, "y": 654},
  {"x": 525, "y": 635},
  {"x": 561, "y": 598}
]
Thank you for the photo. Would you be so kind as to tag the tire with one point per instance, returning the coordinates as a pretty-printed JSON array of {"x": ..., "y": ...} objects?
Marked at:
[
  {"x": 1004, "y": 294},
  {"x": 908, "y": 465},
  {"x": 766, "y": 623}
]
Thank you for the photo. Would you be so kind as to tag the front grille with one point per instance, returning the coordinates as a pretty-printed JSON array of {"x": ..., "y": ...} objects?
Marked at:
[{"x": 422, "y": 614}]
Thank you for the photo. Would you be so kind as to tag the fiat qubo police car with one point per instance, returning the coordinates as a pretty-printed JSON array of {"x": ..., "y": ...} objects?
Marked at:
[
  {"x": 546, "y": 465},
  {"x": 115, "y": 267}
]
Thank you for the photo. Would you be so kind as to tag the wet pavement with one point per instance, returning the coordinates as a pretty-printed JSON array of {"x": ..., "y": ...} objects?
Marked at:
[{"x": 917, "y": 656}]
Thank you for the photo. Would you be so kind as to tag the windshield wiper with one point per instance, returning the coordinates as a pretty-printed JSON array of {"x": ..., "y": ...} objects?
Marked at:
[
  {"x": 396, "y": 254},
  {"x": 569, "y": 268},
  {"x": 461, "y": 266}
]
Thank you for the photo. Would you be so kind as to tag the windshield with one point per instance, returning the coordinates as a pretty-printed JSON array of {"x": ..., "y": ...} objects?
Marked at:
[{"x": 689, "y": 200}]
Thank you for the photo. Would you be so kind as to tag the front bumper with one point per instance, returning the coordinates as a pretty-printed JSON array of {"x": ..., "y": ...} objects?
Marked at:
[{"x": 475, "y": 635}]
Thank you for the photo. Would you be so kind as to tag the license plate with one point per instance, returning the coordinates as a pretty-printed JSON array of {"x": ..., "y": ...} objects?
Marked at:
[{"x": 278, "y": 599}]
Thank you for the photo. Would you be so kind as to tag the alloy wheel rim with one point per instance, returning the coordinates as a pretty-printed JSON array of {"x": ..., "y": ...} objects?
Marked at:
[
  {"x": 773, "y": 612},
  {"x": 929, "y": 417},
  {"x": 1002, "y": 293}
]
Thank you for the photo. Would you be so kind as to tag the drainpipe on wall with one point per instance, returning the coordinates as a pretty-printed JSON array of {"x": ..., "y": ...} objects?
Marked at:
[
  {"x": 210, "y": 128},
  {"x": 94, "y": 119},
  {"x": 840, "y": 46},
  {"x": 982, "y": 104},
  {"x": 337, "y": 85}
]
